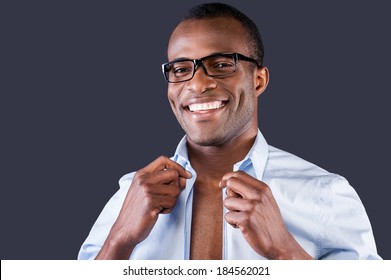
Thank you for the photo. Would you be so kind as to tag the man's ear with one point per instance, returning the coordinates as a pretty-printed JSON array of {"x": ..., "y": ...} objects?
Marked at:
[{"x": 261, "y": 80}]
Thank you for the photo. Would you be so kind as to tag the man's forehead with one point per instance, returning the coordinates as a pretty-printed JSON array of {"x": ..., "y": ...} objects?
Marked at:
[
  {"x": 205, "y": 36},
  {"x": 216, "y": 24}
]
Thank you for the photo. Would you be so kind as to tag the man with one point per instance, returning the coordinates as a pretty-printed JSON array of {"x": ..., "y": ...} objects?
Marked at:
[{"x": 226, "y": 194}]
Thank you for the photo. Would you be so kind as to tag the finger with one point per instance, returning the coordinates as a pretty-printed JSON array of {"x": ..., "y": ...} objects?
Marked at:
[
  {"x": 240, "y": 187},
  {"x": 223, "y": 184},
  {"x": 182, "y": 182},
  {"x": 243, "y": 184},
  {"x": 165, "y": 182},
  {"x": 236, "y": 219},
  {"x": 178, "y": 180},
  {"x": 162, "y": 163},
  {"x": 231, "y": 193},
  {"x": 164, "y": 204},
  {"x": 238, "y": 204},
  {"x": 159, "y": 183},
  {"x": 235, "y": 174},
  {"x": 167, "y": 176},
  {"x": 162, "y": 177},
  {"x": 166, "y": 190}
]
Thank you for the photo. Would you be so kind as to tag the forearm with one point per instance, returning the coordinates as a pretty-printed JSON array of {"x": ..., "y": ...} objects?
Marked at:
[
  {"x": 290, "y": 251},
  {"x": 116, "y": 248},
  {"x": 298, "y": 254}
]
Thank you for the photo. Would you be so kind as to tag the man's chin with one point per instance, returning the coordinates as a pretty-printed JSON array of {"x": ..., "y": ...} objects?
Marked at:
[{"x": 205, "y": 141}]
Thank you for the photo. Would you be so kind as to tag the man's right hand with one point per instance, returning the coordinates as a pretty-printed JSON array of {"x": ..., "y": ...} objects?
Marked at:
[{"x": 154, "y": 190}]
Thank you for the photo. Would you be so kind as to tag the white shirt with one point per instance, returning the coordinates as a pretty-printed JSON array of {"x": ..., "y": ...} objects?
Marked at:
[{"x": 320, "y": 209}]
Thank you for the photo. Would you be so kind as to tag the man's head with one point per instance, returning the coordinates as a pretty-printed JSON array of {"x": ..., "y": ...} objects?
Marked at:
[
  {"x": 251, "y": 36},
  {"x": 215, "y": 99}
]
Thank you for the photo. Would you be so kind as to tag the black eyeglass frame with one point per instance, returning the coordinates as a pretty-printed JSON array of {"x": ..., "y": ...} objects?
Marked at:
[{"x": 199, "y": 63}]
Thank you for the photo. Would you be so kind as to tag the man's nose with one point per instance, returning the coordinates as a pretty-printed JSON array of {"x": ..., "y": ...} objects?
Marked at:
[{"x": 201, "y": 82}]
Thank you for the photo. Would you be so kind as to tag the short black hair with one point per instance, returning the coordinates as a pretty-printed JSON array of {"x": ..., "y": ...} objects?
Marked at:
[{"x": 213, "y": 10}]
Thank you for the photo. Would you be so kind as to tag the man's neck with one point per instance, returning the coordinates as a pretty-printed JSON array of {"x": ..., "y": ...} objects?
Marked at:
[{"x": 214, "y": 161}]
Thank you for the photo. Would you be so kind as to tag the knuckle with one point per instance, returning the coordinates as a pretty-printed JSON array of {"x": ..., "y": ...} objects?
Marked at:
[
  {"x": 257, "y": 194},
  {"x": 230, "y": 181},
  {"x": 263, "y": 198},
  {"x": 148, "y": 201},
  {"x": 144, "y": 187},
  {"x": 141, "y": 175},
  {"x": 262, "y": 192},
  {"x": 228, "y": 216},
  {"x": 257, "y": 207},
  {"x": 137, "y": 175},
  {"x": 171, "y": 172},
  {"x": 244, "y": 219},
  {"x": 141, "y": 180},
  {"x": 144, "y": 184},
  {"x": 264, "y": 187},
  {"x": 170, "y": 202},
  {"x": 268, "y": 190},
  {"x": 251, "y": 206},
  {"x": 238, "y": 222},
  {"x": 175, "y": 193},
  {"x": 162, "y": 158}
]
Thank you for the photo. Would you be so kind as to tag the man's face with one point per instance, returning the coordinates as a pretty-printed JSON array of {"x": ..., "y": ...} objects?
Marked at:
[{"x": 213, "y": 111}]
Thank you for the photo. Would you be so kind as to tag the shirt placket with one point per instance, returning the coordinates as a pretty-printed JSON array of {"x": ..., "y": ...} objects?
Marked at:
[{"x": 227, "y": 246}]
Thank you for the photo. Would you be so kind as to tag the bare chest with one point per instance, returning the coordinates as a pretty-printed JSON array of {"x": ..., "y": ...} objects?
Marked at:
[{"x": 206, "y": 230}]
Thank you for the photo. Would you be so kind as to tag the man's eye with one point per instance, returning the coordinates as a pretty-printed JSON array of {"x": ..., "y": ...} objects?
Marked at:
[
  {"x": 223, "y": 65},
  {"x": 180, "y": 71}
]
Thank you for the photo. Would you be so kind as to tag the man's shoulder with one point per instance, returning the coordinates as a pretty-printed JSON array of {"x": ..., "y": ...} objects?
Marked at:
[
  {"x": 292, "y": 176},
  {"x": 283, "y": 164}
]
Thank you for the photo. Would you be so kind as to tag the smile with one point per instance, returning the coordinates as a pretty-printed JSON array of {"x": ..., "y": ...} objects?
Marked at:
[{"x": 207, "y": 106}]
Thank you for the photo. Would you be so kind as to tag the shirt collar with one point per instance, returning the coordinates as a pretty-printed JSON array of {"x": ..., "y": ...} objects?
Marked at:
[
  {"x": 181, "y": 155},
  {"x": 257, "y": 156}
]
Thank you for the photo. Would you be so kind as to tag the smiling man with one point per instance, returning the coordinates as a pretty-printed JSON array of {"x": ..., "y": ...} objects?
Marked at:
[{"x": 227, "y": 194}]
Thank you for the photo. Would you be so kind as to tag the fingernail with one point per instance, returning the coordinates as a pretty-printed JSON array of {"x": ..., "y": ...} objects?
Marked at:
[{"x": 189, "y": 174}]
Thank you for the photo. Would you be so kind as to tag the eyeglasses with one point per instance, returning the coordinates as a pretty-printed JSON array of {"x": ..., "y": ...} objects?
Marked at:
[{"x": 215, "y": 65}]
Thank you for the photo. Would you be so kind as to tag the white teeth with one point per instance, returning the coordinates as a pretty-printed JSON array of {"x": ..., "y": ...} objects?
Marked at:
[{"x": 206, "y": 106}]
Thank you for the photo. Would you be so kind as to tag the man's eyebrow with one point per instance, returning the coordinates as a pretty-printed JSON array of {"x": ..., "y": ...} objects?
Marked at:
[
  {"x": 186, "y": 58},
  {"x": 217, "y": 53},
  {"x": 180, "y": 59}
]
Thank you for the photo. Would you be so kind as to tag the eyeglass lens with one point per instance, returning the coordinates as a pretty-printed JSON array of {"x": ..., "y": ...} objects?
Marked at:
[{"x": 215, "y": 66}]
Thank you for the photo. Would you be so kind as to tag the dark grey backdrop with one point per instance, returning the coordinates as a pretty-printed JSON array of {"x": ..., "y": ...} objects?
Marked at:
[{"x": 83, "y": 102}]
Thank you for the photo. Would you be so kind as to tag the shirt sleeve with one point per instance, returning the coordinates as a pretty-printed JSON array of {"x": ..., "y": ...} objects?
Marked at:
[
  {"x": 346, "y": 230},
  {"x": 101, "y": 228}
]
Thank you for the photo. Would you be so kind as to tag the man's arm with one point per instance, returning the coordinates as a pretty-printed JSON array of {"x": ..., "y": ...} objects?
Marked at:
[{"x": 154, "y": 190}]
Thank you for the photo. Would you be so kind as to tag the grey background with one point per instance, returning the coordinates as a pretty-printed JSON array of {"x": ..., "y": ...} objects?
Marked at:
[{"x": 83, "y": 101}]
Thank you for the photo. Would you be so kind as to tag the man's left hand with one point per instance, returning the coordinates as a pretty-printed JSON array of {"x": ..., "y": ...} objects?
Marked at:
[{"x": 253, "y": 209}]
